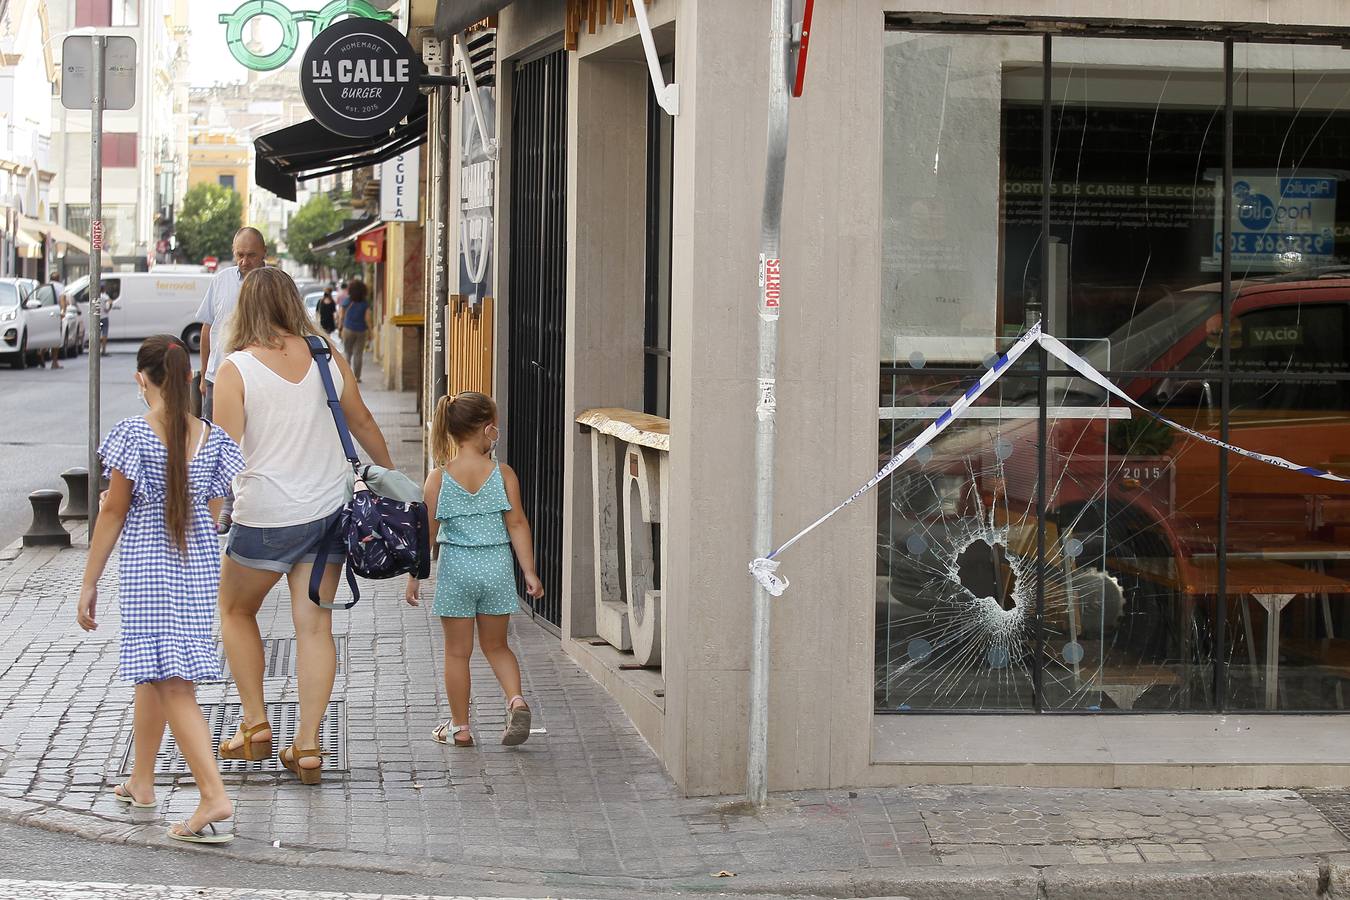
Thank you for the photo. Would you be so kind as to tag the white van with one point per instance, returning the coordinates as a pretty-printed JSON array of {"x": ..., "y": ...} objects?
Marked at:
[{"x": 146, "y": 303}]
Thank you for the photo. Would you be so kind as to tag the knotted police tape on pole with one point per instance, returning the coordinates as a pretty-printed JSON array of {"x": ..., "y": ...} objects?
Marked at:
[{"x": 765, "y": 569}]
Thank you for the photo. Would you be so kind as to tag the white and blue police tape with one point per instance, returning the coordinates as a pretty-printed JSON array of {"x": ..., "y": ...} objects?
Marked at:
[{"x": 765, "y": 569}]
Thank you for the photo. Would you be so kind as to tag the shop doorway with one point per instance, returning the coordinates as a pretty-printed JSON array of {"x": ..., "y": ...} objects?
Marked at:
[{"x": 535, "y": 423}]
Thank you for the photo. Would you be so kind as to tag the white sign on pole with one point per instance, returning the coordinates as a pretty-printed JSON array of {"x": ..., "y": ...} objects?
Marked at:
[
  {"x": 119, "y": 72},
  {"x": 398, "y": 187}
]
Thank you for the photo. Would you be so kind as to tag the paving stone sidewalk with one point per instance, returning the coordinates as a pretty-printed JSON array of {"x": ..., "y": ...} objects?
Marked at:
[{"x": 585, "y": 797}]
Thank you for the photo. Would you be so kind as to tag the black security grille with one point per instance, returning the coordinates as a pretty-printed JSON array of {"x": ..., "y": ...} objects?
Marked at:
[
  {"x": 535, "y": 424},
  {"x": 280, "y": 658},
  {"x": 223, "y": 718}
]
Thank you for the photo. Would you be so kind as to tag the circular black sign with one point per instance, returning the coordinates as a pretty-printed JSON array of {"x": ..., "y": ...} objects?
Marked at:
[{"x": 359, "y": 77}]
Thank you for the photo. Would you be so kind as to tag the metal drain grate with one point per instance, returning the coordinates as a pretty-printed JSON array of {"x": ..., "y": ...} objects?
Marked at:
[
  {"x": 223, "y": 718},
  {"x": 1333, "y": 805},
  {"x": 279, "y": 658}
]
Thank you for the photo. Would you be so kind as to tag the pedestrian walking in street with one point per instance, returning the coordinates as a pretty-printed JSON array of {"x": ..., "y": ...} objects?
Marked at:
[
  {"x": 217, "y": 308},
  {"x": 166, "y": 469},
  {"x": 477, "y": 522},
  {"x": 59, "y": 296},
  {"x": 356, "y": 325},
  {"x": 328, "y": 312},
  {"x": 216, "y": 311},
  {"x": 287, "y": 502},
  {"x": 106, "y": 304}
]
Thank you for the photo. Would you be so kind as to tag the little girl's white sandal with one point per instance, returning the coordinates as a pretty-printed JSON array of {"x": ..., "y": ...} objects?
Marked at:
[
  {"x": 517, "y": 723},
  {"x": 448, "y": 733}
]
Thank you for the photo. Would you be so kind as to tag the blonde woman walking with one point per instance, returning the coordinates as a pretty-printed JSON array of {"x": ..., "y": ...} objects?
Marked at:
[{"x": 270, "y": 398}]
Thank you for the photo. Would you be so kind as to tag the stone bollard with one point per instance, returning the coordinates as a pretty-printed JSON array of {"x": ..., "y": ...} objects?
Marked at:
[
  {"x": 46, "y": 530},
  {"x": 77, "y": 493}
]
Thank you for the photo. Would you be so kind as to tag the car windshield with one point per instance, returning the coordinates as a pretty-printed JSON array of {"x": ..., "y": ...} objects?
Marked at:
[
  {"x": 1138, "y": 343},
  {"x": 9, "y": 295},
  {"x": 1134, "y": 346}
]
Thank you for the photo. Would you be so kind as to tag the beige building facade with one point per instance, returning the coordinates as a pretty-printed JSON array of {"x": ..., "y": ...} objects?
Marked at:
[
  {"x": 222, "y": 158},
  {"x": 622, "y": 340}
]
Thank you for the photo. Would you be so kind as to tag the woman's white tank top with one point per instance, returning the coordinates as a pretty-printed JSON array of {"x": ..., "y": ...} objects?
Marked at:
[{"x": 295, "y": 471}]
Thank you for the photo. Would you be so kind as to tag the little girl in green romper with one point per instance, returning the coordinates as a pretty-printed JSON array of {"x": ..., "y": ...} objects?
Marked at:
[{"x": 477, "y": 522}]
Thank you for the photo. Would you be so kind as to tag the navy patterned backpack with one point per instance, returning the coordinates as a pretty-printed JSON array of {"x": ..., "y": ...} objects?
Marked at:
[{"x": 384, "y": 536}]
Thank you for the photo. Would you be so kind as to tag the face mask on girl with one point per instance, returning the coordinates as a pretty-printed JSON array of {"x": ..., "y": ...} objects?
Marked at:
[
  {"x": 140, "y": 389},
  {"x": 492, "y": 441}
]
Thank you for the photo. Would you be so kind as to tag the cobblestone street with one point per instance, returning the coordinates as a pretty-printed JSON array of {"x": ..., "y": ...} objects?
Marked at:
[
  {"x": 584, "y": 797},
  {"x": 92, "y": 890}
]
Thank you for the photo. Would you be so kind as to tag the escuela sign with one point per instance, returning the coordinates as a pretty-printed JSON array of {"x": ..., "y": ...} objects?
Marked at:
[{"x": 359, "y": 78}]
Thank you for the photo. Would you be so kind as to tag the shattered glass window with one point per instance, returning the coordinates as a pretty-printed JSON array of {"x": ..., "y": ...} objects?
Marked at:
[{"x": 1150, "y": 571}]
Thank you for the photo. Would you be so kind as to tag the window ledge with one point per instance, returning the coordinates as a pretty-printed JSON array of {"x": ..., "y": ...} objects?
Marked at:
[
  {"x": 633, "y": 427},
  {"x": 1120, "y": 740}
]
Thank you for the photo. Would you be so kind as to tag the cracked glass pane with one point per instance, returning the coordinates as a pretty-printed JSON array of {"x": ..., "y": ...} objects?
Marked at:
[
  {"x": 1286, "y": 562},
  {"x": 942, "y": 141},
  {"x": 1139, "y": 605}
]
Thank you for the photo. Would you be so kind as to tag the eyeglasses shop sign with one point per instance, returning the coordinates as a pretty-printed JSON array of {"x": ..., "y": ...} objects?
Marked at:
[{"x": 359, "y": 77}]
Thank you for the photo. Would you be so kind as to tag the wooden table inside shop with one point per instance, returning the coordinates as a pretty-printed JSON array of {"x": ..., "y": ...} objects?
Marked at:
[{"x": 1270, "y": 582}]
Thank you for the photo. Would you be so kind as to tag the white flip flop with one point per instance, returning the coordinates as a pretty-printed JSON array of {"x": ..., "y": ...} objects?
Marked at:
[
  {"x": 188, "y": 836},
  {"x": 130, "y": 800}
]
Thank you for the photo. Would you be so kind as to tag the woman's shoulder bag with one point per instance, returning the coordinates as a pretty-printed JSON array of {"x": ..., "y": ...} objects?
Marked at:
[{"x": 384, "y": 536}]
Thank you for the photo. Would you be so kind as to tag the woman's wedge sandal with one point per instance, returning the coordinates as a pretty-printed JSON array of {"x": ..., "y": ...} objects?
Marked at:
[
  {"x": 250, "y": 750},
  {"x": 448, "y": 733},
  {"x": 307, "y": 776},
  {"x": 517, "y": 723},
  {"x": 208, "y": 835},
  {"x": 122, "y": 794}
]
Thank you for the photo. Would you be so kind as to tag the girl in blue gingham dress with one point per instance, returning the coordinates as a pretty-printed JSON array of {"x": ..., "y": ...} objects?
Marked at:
[{"x": 165, "y": 470}]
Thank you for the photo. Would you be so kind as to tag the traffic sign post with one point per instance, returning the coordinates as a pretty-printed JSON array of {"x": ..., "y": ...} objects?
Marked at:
[{"x": 97, "y": 72}]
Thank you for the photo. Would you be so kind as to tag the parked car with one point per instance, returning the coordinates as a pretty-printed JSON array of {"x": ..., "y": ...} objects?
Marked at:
[
  {"x": 146, "y": 303},
  {"x": 312, "y": 299},
  {"x": 27, "y": 323},
  {"x": 74, "y": 330}
]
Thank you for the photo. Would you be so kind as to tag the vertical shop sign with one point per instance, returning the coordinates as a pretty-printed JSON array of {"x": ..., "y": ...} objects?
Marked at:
[
  {"x": 398, "y": 187},
  {"x": 477, "y": 200},
  {"x": 1279, "y": 223}
]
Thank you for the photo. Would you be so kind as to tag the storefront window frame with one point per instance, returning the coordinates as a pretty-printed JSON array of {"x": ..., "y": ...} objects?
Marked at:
[
  {"x": 1042, "y": 371},
  {"x": 657, "y": 284}
]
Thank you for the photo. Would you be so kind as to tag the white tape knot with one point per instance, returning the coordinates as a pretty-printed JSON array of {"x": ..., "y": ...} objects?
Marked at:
[{"x": 764, "y": 571}]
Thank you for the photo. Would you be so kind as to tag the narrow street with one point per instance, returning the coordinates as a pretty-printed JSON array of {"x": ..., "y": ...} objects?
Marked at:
[
  {"x": 43, "y": 415},
  {"x": 45, "y": 865}
]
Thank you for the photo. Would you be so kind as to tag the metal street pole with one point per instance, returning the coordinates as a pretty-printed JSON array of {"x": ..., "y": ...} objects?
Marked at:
[
  {"x": 95, "y": 274},
  {"x": 770, "y": 296}
]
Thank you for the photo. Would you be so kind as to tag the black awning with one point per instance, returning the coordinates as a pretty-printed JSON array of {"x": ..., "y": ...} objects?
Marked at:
[
  {"x": 308, "y": 150},
  {"x": 350, "y": 231},
  {"x": 453, "y": 16}
]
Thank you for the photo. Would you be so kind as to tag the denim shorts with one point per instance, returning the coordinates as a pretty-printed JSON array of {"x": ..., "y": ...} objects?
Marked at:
[{"x": 281, "y": 549}]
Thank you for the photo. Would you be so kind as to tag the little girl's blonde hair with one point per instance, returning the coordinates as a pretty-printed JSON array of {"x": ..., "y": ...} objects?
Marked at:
[{"x": 458, "y": 418}]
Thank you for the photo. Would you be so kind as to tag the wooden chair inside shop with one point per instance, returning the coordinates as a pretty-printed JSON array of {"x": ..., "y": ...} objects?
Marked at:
[{"x": 1331, "y": 523}]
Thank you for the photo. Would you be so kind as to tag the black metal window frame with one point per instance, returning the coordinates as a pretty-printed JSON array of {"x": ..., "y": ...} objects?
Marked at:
[
  {"x": 660, "y": 191},
  {"x": 537, "y": 314},
  {"x": 1038, "y": 365}
]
